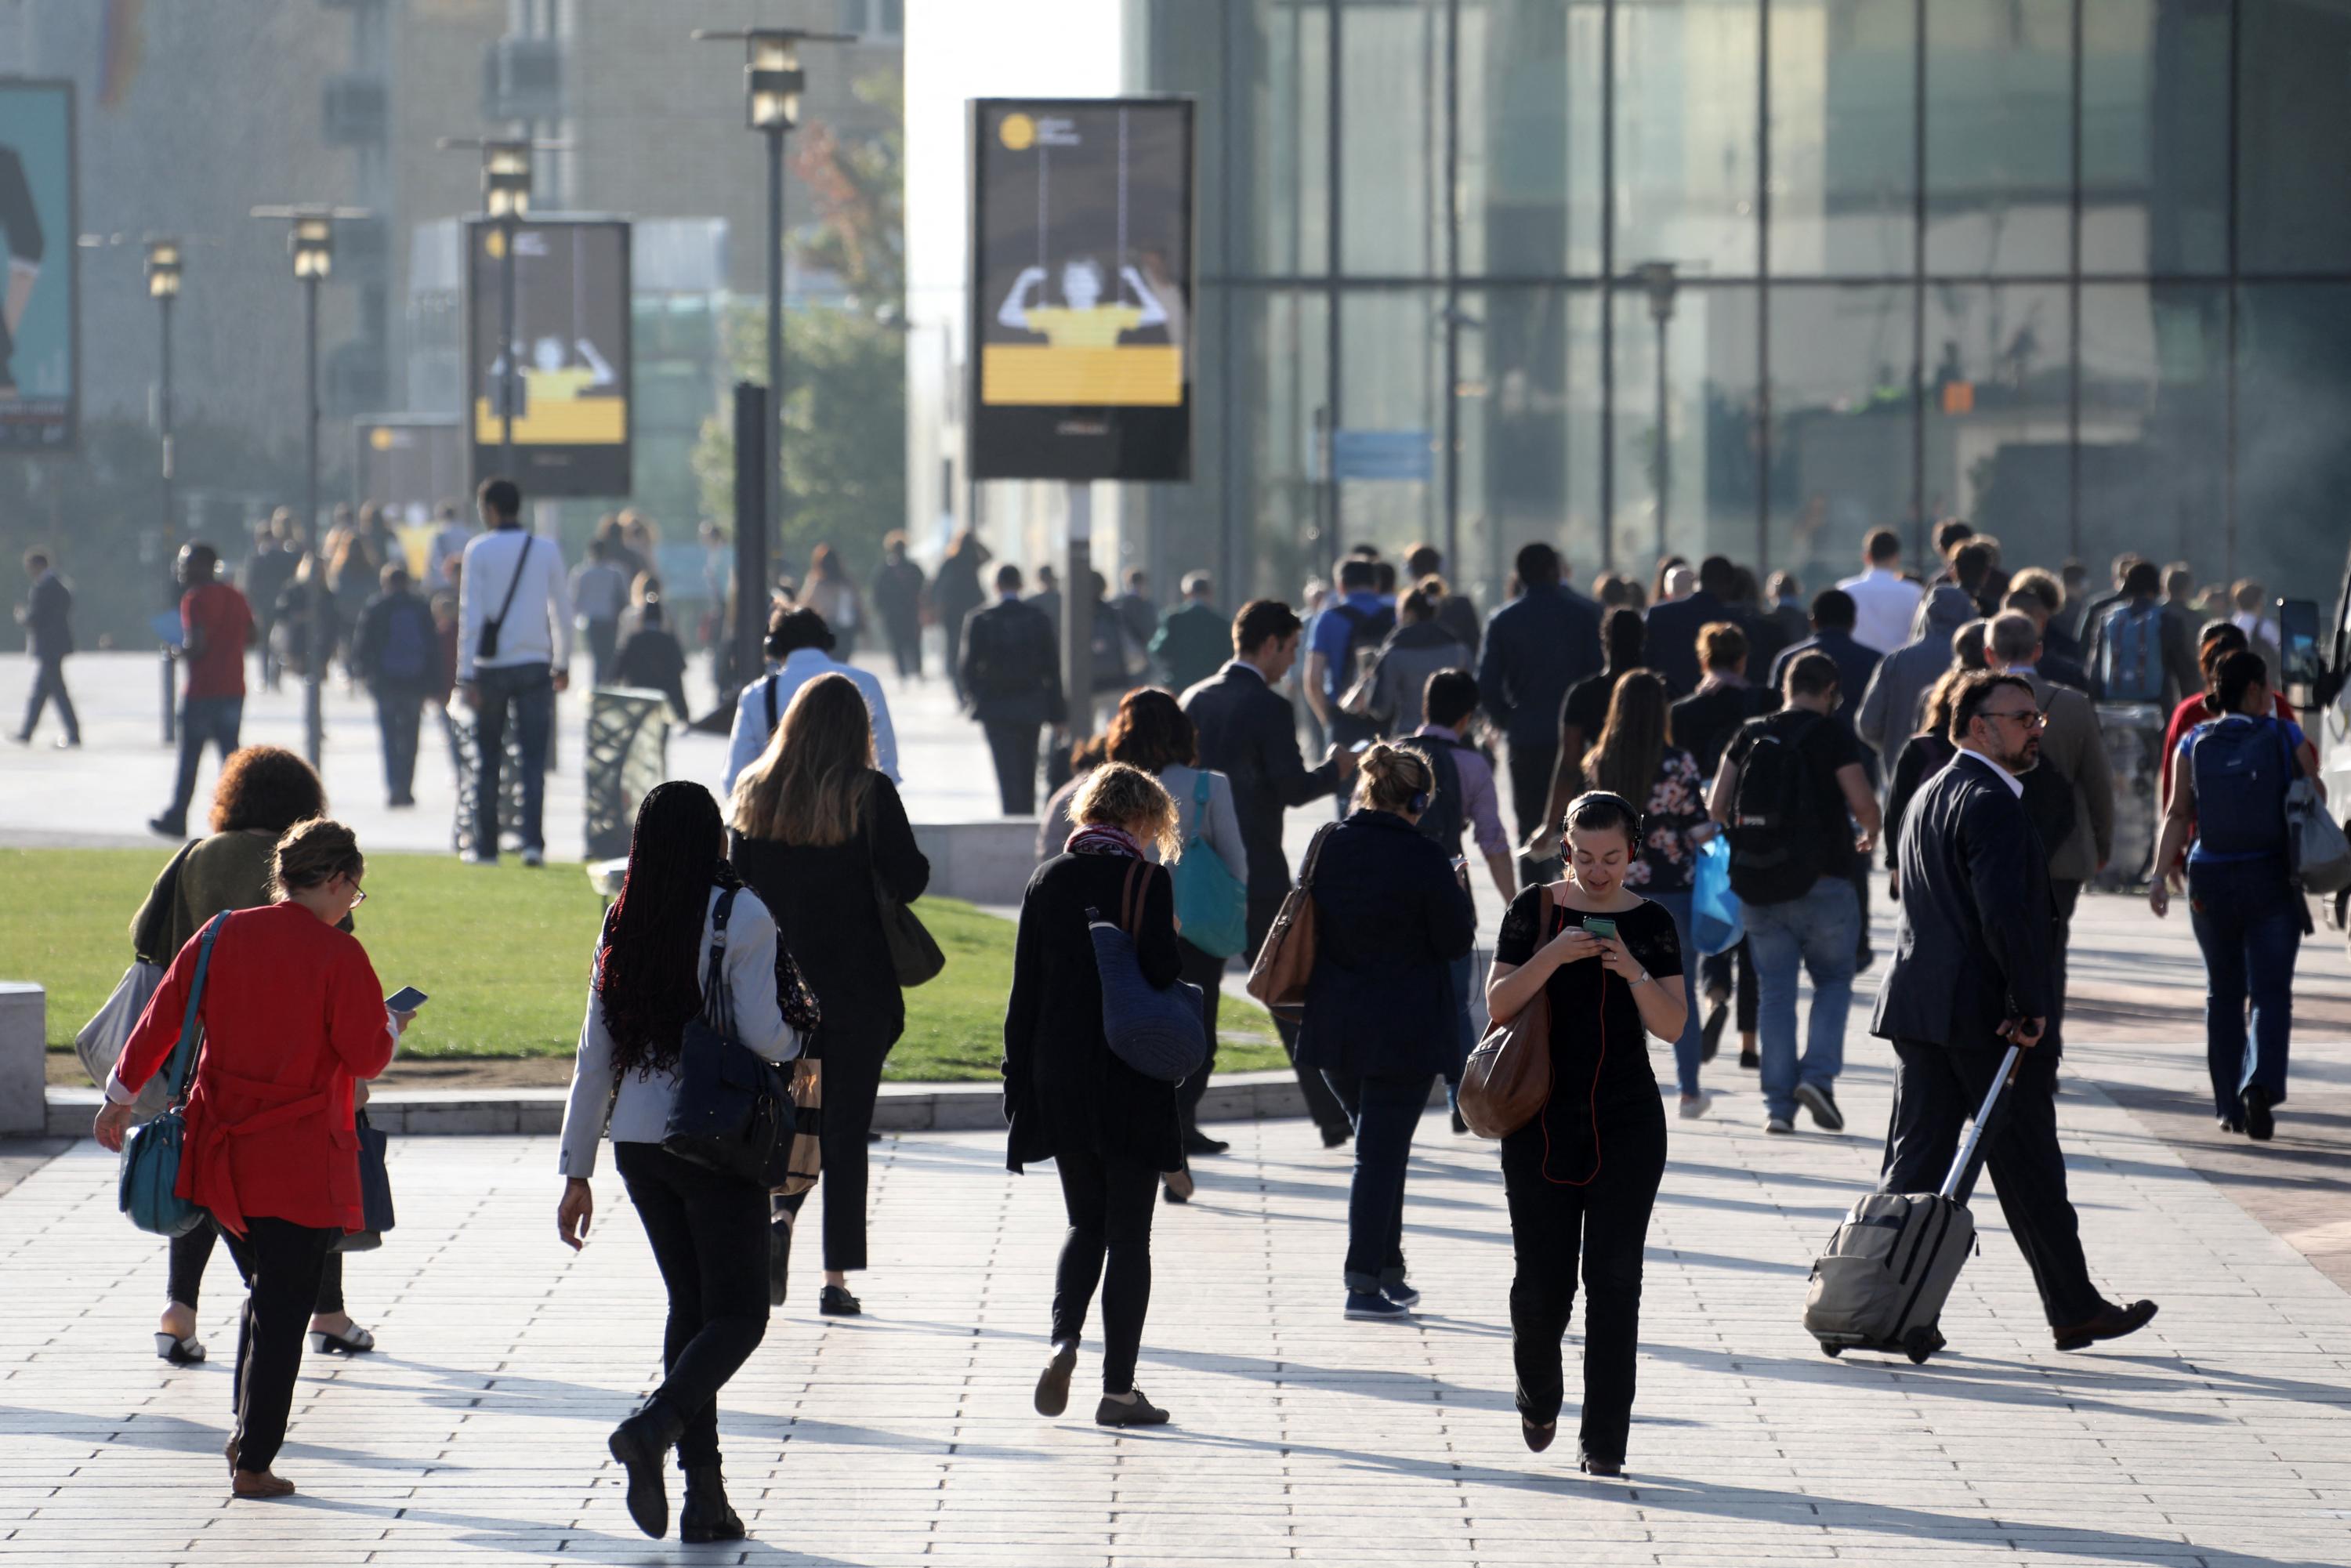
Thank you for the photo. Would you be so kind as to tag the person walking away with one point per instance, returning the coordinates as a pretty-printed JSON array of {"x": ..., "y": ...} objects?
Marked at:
[
  {"x": 1247, "y": 731},
  {"x": 1583, "y": 1175},
  {"x": 1888, "y": 714},
  {"x": 1791, "y": 622},
  {"x": 708, "y": 1231},
  {"x": 1137, "y": 616},
  {"x": 1704, "y": 721},
  {"x": 46, "y": 617},
  {"x": 1537, "y": 646},
  {"x": 2227, "y": 809},
  {"x": 653, "y": 660},
  {"x": 2138, "y": 651},
  {"x": 1787, "y": 784},
  {"x": 1193, "y": 639},
  {"x": 1391, "y": 918},
  {"x": 1973, "y": 973},
  {"x": 831, "y": 593},
  {"x": 263, "y": 792},
  {"x": 1047, "y": 598},
  {"x": 1673, "y": 627},
  {"x": 799, "y": 649},
  {"x": 1583, "y": 713},
  {"x": 1389, "y": 693},
  {"x": 267, "y": 570},
  {"x": 954, "y": 594},
  {"x": 293, "y": 1018},
  {"x": 1109, "y": 1130},
  {"x": 215, "y": 628},
  {"x": 354, "y": 572},
  {"x": 1456, "y": 613},
  {"x": 1832, "y": 618},
  {"x": 1341, "y": 644},
  {"x": 298, "y": 609},
  {"x": 1152, "y": 732},
  {"x": 2037, "y": 593},
  {"x": 1010, "y": 672},
  {"x": 1884, "y": 600},
  {"x": 818, "y": 832},
  {"x": 2073, "y": 767},
  {"x": 898, "y": 596},
  {"x": 2247, "y": 603},
  {"x": 2220, "y": 640},
  {"x": 445, "y": 677},
  {"x": 600, "y": 591},
  {"x": 514, "y": 654},
  {"x": 397, "y": 652},
  {"x": 445, "y": 555}
]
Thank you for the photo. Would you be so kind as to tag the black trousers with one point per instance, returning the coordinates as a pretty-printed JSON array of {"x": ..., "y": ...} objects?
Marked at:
[
  {"x": 1936, "y": 1089},
  {"x": 50, "y": 686},
  {"x": 1604, "y": 1226},
  {"x": 709, "y": 1237},
  {"x": 1734, "y": 965},
  {"x": 1321, "y": 1103},
  {"x": 1206, "y": 971},
  {"x": 1014, "y": 748},
  {"x": 1109, "y": 1244},
  {"x": 2067, "y": 897},
  {"x": 281, "y": 1262},
  {"x": 399, "y": 714},
  {"x": 907, "y": 646},
  {"x": 192, "y": 1252},
  {"x": 1531, "y": 767},
  {"x": 853, "y": 1082}
]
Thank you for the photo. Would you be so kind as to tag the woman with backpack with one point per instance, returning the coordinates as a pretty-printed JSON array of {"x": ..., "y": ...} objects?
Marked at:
[
  {"x": 1109, "y": 1130},
  {"x": 2228, "y": 806},
  {"x": 684, "y": 940},
  {"x": 1392, "y": 914}
]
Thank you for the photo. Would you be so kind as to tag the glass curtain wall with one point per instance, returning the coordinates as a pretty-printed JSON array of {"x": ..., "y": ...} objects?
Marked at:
[{"x": 1752, "y": 277}]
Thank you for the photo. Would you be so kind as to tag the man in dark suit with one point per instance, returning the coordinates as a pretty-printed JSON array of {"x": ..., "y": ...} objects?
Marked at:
[
  {"x": 1193, "y": 638},
  {"x": 46, "y": 618},
  {"x": 1975, "y": 967},
  {"x": 1011, "y": 675},
  {"x": 1248, "y": 732},
  {"x": 1674, "y": 625},
  {"x": 1537, "y": 646}
]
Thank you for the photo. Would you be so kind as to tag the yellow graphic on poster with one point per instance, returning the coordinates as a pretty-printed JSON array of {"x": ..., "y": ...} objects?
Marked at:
[{"x": 568, "y": 383}]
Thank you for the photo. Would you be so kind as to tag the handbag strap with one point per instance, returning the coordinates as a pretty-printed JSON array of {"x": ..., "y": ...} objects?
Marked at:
[
  {"x": 183, "y": 1055},
  {"x": 148, "y": 941},
  {"x": 1129, "y": 903},
  {"x": 1313, "y": 854},
  {"x": 717, "y": 1005},
  {"x": 1199, "y": 806},
  {"x": 515, "y": 583}
]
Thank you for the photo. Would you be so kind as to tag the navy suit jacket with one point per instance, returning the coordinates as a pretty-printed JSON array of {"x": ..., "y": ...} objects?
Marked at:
[
  {"x": 1247, "y": 733},
  {"x": 1537, "y": 646},
  {"x": 1670, "y": 646}
]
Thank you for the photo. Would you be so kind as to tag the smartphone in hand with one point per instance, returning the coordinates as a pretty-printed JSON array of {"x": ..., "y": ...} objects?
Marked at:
[
  {"x": 407, "y": 1000},
  {"x": 1600, "y": 925}
]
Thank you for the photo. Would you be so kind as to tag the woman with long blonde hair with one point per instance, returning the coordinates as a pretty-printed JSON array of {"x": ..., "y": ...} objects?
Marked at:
[{"x": 821, "y": 835}]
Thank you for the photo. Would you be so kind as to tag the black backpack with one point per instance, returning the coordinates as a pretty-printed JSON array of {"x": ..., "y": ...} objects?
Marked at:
[
  {"x": 1445, "y": 822},
  {"x": 1777, "y": 816}
]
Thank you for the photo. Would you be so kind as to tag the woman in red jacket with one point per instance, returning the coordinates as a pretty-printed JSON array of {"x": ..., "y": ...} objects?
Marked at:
[{"x": 292, "y": 1014}]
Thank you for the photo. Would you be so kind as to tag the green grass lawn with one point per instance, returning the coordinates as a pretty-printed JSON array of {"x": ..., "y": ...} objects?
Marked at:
[{"x": 504, "y": 953}]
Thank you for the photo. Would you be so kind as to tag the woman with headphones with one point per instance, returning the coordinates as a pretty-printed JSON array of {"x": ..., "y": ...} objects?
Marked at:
[
  {"x": 1583, "y": 1175},
  {"x": 1392, "y": 914}
]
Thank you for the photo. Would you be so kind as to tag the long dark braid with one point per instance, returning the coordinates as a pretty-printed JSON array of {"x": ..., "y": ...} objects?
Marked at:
[{"x": 649, "y": 974}]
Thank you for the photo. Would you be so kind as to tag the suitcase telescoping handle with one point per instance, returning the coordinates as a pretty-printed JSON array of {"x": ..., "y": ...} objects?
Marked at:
[{"x": 1963, "y": 1164}]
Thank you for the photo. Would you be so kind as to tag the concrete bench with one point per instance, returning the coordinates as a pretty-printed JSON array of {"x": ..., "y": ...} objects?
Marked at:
[{"x": 24, "y": 1025}]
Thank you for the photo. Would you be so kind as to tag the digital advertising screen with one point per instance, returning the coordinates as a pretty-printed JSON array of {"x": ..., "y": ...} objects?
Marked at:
[
  {"x": 40, "y": 347},
  {"x": 571, "y": 353},
  {"x": 409, "y": 464},
  {"x": 1082, "y": 288}
]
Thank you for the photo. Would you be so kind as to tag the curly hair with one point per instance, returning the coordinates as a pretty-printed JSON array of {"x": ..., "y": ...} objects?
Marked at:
[
  {"x": 1152, "y": 731},
  {"x": 265, "y": 787},
  {"x": 1120, "y": 795},
  {"x": 649, "y": 963}
]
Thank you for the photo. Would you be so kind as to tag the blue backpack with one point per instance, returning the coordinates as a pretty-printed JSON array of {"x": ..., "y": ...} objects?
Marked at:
[
  {"x": 2130, "y": 654},
  {"x": 2241, "y": 766},
  {"x": 407, "y": 652}
]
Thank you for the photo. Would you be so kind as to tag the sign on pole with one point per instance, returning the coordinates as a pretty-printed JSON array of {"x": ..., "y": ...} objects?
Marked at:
[
  {"x": 410, "y": 463},
  {"x": 571, "y": 412},
  {"x": 1082, "y": 288},
  {"x": 40, "y": 346}
]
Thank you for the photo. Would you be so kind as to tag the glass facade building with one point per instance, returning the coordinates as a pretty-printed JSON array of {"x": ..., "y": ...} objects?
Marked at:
[{"x": 1755, "y": 276}]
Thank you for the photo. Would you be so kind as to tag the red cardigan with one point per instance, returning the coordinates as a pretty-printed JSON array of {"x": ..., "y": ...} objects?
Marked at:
[{"x": 292, "y": 1014}]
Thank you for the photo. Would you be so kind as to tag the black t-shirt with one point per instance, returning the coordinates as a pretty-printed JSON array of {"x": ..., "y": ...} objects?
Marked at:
[
  {"x": 1586, "y": 704},
  {"x": 1828, "y": 747},
  {"x": 1599, "y": 1048}
]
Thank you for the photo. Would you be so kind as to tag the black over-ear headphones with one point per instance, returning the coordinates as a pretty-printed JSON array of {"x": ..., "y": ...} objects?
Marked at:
[{"x": 1640, "y": 819}]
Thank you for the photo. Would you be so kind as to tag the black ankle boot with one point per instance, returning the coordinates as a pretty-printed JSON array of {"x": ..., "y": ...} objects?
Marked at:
[
  {"x": 706, "y": 1516},
  {"x": 642, "y": 1444}
]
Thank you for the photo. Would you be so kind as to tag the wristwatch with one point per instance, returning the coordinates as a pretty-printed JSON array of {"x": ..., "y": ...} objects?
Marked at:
[{"x": 1636, "y": 984}]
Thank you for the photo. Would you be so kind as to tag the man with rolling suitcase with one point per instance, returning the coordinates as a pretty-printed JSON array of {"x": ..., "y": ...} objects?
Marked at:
[{"x": 1973, "y": 970}]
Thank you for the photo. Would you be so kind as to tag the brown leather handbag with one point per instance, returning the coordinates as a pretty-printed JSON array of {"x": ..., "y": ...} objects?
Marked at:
[
  {"x": 1285, "y": 959},
  {"x": 1507, "y": 1081}
]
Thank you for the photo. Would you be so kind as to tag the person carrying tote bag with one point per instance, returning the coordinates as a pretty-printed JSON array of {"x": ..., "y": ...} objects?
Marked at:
[{"x": 707, "y": 1229}]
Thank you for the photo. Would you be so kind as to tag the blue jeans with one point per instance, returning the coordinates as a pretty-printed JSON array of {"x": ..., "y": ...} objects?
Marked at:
[
  {"x": 1386, "y": 1114},
  {"x": 1818, "y": 931},
  {"x": 2245, "y": 919},
  {"x": 202, "y": 720},
  {"x": 1465, "y": 977},
  {"x": 530, "y": 689},
  {"x": 1686, "y": 1047}
]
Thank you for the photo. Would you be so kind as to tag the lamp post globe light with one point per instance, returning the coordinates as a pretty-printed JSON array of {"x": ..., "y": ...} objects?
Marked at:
[
  {"x": 505, "y": 201},
  {"x": 163, "y": 287}
]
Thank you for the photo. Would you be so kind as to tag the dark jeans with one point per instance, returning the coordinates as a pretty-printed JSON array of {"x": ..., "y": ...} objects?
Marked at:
[
  {"x": 709, "y": 1237},
  {"x": 906, "y": 647},
  {"x": 399, "y": 713},
  {"x": 529, "y": 689},
  {"x": 1530, "y": 768},
  {"x": 1206, "y": 971},
  {"x": 214, "y": 720},
  {"x": 1734, "y": 970},
  {"x": 50, "y": 686},
  {"x": 1603, "y": 1226},
  {"x": 603, "y": 639},
  {"x": 2248, "y": 920},
  {"x": 1687, "y": 1047},
  {"x": 1386, "y": 1114},
  {"x": 1014, "y": 748},
  {"x": 1936, "y": 1089},
  {"x": 1322, "y": 1105},
  {"x": 192, "y": 1252},
  {"x": 1109, "y": 1244},
  {"x": 853, "y": 1082},
  {"x": 281, "y": 1262}
]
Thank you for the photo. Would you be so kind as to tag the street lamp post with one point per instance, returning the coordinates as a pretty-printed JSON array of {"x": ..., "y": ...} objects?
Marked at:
[
  {"x": 505, "y": 201},
  {"x": 1657, "y": 277},
  {"x": 163, "y": 287}
]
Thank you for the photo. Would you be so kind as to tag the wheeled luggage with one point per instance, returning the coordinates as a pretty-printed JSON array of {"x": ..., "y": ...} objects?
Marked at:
[{"x": 1883, "y": 1280}]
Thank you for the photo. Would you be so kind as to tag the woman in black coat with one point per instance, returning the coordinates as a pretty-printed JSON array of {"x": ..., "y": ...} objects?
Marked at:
[
  {"x": 1391, "y": 916},
  {"x": 816, "y": 828},
  {"x": 1108, "y": 1129}
]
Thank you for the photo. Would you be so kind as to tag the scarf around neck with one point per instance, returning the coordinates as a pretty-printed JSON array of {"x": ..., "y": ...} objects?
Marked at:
[{"x": 1101, "y": 839}]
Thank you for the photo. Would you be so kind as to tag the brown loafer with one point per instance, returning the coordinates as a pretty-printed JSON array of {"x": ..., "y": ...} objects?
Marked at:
[
  {"x": 2111, "y": 1323},
  {"x": 259, "y": 1484}
]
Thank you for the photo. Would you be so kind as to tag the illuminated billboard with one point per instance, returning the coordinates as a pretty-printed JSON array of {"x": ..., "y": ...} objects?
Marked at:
[
  {"x": 571, "y": 415},
  {"x": 40, "y": 388}
]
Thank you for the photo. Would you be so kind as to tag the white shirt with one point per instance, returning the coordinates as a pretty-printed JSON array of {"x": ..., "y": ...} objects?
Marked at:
[
  {"x": 2252, "y": 625},
  {"x": 448, "y": 545},
  {"x": 537, "y": 628},
  {"x": 1883, "y": 604},
  {"x": 751, "y": 734},
  {"x": 2015, "y": 785}
]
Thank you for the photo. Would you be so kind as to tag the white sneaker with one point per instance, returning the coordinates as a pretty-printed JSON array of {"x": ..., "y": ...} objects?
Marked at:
[
  {"x": 1779, "y": 1125},
  {"x": 1696, "y": 1105}
]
